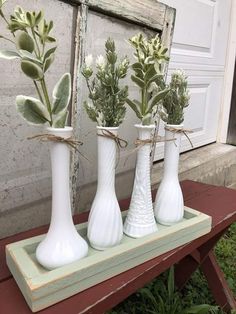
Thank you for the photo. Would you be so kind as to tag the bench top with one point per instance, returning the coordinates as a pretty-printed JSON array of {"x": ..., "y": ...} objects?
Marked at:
[{"x": 218, "y": 202}]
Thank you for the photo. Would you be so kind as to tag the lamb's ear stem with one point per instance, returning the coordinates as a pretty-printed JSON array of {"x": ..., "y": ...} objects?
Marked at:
[{"x": 38, "y": 91}]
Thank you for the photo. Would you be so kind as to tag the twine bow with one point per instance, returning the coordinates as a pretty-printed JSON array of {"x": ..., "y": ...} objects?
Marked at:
[
  {"x": 54, "y": 138},
  {"x": 70, "y": 141},
  {"x": 184, "y": 131},
  {"x": 155, "y": 139},
  {"x": 120, "y": 142}
]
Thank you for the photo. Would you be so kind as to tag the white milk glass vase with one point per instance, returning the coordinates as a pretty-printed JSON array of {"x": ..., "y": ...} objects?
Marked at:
[
  {"x": 62, "y": 244},
  {"x": 169, "y": 204},
  {"x": 140, "y": 219},
  {"x": 105, "y": 226}
]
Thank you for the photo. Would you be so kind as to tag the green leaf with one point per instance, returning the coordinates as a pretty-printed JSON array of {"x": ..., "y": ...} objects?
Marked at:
[
  {"x": 48, "y": 61},
  {"x": 50, "y": 39},
  {"x": 30, "y": 19},
  {"x": 31, "y": 69},
  {"x": 39, "y": 17},
  {"x": 158, "y": 97},
  {"x": 9, "y": 55},
  {"x": 171, "y": 284},
  {"x": 32, "y": 110},
  {"x": 137, "y": 81},
  {"x": 60, "y": 119},
  {"x": 137, "y": 65},
  {"x": 49, "y": 52},
  {"x": 198, "y": 309},
  {"x": 135, "y": 107},
  {"x": 27, "y": 55},
  {"x": 50, "y": 26},
  {"x": 2, "y": 3},
  {"x": 61, "y": 93},
  {"x": 25, "y": 42},
  {"x": 146, "y": 120},
  {"x": 153, "y": 79}
]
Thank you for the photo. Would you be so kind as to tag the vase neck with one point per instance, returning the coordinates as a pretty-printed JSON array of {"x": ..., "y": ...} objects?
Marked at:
[
  {"x": 172, "y": 149},
  {"x": 61, "y": 205},
  {"x": 106, "y": 161}
]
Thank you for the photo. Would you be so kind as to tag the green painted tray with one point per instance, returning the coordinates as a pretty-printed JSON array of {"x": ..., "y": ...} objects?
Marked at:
[{"x": 42, "y": 288}]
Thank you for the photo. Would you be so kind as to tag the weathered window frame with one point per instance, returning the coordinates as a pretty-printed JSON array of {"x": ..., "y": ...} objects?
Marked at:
[{"x": 148, "y": 13}]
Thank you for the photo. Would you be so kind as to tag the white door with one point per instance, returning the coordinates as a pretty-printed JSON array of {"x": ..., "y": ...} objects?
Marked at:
[{"x": 199, "y": 48}]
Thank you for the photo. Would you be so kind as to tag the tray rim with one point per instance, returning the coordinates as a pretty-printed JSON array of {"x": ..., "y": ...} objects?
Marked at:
[{"x": 34, "y": 282}]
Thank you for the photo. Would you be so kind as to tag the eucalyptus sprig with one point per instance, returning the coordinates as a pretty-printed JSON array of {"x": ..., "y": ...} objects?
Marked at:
[
  {"x": 150, "y": 57},
  {"x": 172, "y": 106},
  {"x": 107, "y": 97},
  {"x": 31, "y": 34}
]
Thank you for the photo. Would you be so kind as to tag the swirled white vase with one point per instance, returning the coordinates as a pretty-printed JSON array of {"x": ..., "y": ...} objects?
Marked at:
[
  {"x": 169, "y": 205},
  {"x": 105, "y": 226},
  {"x": 140, "y": 219},
  {"x": 62, "y": 244}
]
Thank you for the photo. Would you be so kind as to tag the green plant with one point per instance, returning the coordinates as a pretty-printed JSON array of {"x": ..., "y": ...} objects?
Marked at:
[
  {"x": 150, "y": 57},
  {"x": 161, "y": 297},
  {"x": 30, "y": 35},
  {"x": 171, "y": 109},
  {"x": 107, "y": 97}
]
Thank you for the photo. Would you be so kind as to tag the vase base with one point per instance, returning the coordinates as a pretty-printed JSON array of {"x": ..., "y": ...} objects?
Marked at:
[
  {"x": 100, "y": 248},
  {"x": 165, "y": 223},
  {"x": 137, "y": 231},
  {"x": 51, "y": 259}
]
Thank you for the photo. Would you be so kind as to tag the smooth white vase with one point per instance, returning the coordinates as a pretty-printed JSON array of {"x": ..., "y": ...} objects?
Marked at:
[
  {"x": 169, "y": 204},
  {"x": 140, "y": 220},
  {"x": 105, "y": 225},
  {"x": 62, "y": 244}
]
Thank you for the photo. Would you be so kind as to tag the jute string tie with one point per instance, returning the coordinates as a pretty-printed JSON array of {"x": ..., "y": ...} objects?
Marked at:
[
  {"x": 184, "y": 131},
  {"x": 70, "y": 141},
  {"x": 120, "y": 142}
]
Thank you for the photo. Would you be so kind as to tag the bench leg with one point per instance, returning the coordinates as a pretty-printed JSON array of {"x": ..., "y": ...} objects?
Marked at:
[
  {"x": 189, "y": 264},
  {"x": 217, "y": 283},
  {"x": 204, "y": 257}
]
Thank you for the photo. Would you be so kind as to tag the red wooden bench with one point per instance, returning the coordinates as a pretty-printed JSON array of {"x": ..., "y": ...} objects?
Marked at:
[{"x": 219, "y": 202}]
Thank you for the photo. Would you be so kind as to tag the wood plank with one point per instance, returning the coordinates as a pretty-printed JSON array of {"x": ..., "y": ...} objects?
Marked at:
[
  {"x": 150, "y": 13},
  {"x": 80, "y": 37}
]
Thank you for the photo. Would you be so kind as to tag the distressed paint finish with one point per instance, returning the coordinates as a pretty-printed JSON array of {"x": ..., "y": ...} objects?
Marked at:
[
  {"x": 92, "y": 32},
  {"x": 80, "y": 39},
  {"x": 150, "y": 13},
  {"x": 43, "y": 288},
  {"x": 25, "y": 174}
]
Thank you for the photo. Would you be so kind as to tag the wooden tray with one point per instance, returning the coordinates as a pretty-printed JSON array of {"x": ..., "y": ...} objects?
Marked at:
[{"x": 42, "y": 288}]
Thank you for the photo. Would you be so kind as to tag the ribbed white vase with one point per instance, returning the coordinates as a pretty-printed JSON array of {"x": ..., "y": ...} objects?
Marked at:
[
  {"x": 105, "y": 226},
  {"x": 140, "y": 219},
  {"x": 169, "y": 205},
  {"x": 62, "y": 244}
]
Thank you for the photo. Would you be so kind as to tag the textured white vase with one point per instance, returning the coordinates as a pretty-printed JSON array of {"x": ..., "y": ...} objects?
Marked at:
[
  {"x": 105, "y": 226},
  {"x": 62, "y": 244},
  {"x": 169, "y": 205},
  {"x": 140, "y": 220}
]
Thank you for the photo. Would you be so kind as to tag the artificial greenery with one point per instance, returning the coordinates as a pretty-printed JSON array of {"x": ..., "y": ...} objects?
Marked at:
[
  {"x": 30, "y": 36},
  {"x": 150, "y": 57},
  {"x": 107, "y": 97},
  {"x": 171, "y": 109}
]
